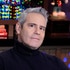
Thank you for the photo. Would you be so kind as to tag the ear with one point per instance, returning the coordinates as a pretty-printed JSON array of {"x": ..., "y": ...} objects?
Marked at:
[{"x": 18, "y": 28}]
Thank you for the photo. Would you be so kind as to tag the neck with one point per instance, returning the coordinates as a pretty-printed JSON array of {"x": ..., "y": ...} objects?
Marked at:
[{"x": 22, "y": 48}]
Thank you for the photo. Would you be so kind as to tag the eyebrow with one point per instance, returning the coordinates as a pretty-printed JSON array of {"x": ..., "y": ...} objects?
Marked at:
[
  {"x": 43, "y": 27},
  {"x": 32, "y": 23}
]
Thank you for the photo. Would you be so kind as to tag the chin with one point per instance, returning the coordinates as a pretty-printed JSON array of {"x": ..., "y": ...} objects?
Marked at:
[{"x": 34, "y": 47}]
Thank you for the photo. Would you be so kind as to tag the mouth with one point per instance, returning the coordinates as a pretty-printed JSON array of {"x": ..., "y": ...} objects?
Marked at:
[{"x": 36, "y": 38}]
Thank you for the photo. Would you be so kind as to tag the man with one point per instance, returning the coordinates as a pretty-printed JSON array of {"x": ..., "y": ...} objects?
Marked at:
[{"x": 25, "y": 55}]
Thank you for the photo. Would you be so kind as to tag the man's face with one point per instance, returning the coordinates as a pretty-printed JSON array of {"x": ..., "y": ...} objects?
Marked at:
[{"x": 33, "y": 31}]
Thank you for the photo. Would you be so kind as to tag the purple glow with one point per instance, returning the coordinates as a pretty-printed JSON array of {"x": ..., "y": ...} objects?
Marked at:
[{"x": 65, "y": 59}]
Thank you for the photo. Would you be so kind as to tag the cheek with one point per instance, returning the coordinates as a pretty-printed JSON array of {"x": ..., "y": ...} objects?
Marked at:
[
  {"x": 42, "y": 36},
  {"x": 25, "y": 36}
]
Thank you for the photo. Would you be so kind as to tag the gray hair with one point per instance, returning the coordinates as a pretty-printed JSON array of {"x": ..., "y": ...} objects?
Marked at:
[{"x": 39, "y": 10}]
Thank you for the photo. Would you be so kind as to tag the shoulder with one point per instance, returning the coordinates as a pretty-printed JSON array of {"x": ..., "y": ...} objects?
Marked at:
[
  {"x": 49, "y": 57},
  {"x": 6, "y": 53},
  {"x": 3, "y": 58},
  {"x": 55, "y": 61}
]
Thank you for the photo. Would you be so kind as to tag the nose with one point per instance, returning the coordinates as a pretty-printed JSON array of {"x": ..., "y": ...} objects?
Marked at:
[{"x": 37, "y": 31}]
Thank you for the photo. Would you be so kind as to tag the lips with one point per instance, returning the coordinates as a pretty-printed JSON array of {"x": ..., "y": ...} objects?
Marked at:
[{"x": 35, "y": 38}]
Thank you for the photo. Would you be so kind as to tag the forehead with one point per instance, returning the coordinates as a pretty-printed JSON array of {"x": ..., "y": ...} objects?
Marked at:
[
  {"x": 35, "y": 14},
  {"x": 36, "y": 18}
]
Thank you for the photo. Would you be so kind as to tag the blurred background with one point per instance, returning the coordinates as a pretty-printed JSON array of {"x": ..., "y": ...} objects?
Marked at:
[{"x": 57, "y": 37}]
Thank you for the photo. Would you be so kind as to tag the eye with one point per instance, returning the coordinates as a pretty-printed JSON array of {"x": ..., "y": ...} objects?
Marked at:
[
  {"x": 42, "y": 28},
  {"x": 31, "y": 25}
]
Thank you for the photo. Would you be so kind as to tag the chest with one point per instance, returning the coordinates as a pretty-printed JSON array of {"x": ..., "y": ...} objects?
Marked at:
[{"x": 29, "y": 63}]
